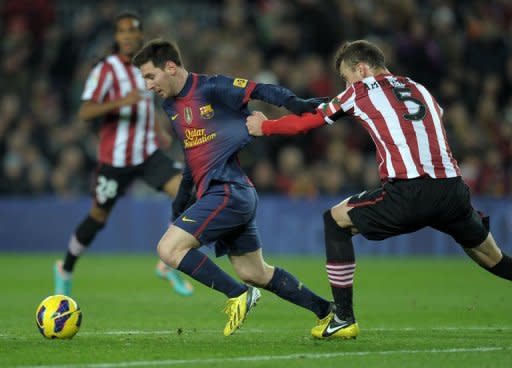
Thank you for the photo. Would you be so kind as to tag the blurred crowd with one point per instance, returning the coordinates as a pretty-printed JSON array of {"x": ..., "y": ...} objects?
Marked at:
[{"x": 460, "y": 49}]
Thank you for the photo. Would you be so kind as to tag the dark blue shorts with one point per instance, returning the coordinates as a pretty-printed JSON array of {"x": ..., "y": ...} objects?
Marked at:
[{"x": 226, "y": 216}]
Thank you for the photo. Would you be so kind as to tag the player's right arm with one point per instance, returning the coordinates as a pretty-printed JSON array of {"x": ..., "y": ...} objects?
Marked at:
[
  {"x": 98, "y": 84},
  {"x": 236, "y": 92},
  {"x": 327, "y": 113},
  {"x": 90, "y": 110},
  {"x": 281, "y": 96}
]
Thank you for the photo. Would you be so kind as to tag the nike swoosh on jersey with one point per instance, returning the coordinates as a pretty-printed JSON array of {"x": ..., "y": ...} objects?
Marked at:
[
  {"x": 174, "y": 116},
  {"x": 186, "y": 219}
]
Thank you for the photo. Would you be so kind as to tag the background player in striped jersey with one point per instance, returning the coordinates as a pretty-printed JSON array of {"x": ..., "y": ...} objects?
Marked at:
[
  {"x": 128, "y": 146},
  {"x": 421, "y": 180},
  {"x": 207, "y": 114}
]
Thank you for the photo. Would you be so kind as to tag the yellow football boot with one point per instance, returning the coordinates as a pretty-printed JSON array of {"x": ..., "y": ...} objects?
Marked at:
[
  {"x": 328, "y": 328},
  {"x": 238, "y": 308}
]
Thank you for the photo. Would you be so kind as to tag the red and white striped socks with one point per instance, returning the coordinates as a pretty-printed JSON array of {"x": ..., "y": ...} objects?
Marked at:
[{"x": 340, "y": 275}]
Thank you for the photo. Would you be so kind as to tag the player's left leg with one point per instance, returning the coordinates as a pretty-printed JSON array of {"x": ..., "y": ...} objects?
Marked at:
[
  {"x": 472, "y": 233},
  {"x": 491, "y": 258},
  {"x": 177, "y": 248},
  {"x": 223, "y": 208},
  {"x": 362, "y": 213},
  {"x": 253, "y": 270},
  {"x": 80, "y": 240},
  {"x": 162, "y": 173},
  {"x": 340, "y": 267},
  {"x": 173, "y": 276},
  {"x": 471, "y": 229},
  {"x": 111, "y": 183}
]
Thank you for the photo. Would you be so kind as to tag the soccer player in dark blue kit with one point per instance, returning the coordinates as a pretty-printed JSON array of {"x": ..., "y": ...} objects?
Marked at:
[{"x": 208, "y": 115}]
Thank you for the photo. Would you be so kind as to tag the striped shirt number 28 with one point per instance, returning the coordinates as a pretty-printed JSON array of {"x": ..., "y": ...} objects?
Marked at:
[{"x": 106, "y": 189}]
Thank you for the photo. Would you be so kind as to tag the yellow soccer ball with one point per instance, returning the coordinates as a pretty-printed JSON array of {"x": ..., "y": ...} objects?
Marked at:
[{"x": 58, "y": 317}]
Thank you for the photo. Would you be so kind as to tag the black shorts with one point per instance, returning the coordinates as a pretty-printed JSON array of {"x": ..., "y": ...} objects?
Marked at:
[
  {"x": 405, "y": 206},
  {"x": 111, "y": 182}
]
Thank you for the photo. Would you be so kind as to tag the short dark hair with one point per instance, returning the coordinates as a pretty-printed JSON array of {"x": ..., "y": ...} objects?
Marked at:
[
  {"x": 359, "y": 51},
  {"x": 130, "y": 15},
  {"x": 159, "y": 52}
]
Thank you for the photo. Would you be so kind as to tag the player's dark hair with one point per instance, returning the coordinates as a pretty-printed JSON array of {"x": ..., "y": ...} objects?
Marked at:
[
  {"x": 159, "y": 52},
  {"x": 359, "y": 51}
]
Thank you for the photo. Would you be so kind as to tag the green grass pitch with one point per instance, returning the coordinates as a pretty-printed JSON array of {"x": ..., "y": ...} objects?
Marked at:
[{"x": 413, "y": 312}]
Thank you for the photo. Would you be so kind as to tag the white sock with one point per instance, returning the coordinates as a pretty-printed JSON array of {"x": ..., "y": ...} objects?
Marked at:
[{"x": 75, "y": 247}]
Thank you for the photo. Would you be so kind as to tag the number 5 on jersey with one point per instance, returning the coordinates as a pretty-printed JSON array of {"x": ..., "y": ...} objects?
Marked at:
[{"x": 404, "y": 94}]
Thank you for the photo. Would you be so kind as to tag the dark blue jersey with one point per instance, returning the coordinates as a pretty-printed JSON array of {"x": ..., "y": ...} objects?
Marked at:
[{"x": 208, "y": 117}]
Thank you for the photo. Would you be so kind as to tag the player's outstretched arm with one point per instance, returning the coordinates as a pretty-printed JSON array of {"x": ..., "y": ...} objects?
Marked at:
[
  {"x": 258, "y": 124},
  {"x": 280, "y": 96},
  {"x": 301, "y": 106}
]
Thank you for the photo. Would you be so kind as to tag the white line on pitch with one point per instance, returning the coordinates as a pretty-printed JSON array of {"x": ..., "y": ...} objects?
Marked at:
[
  {"x": 258, "y": 358},
  {"x": 259, "y": 330}
]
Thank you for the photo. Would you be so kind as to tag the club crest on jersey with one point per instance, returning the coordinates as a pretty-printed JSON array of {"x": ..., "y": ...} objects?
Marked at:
[
  {"x": 188, "y": 115},
  {"x": 206, "y": 111},
  {"x": 240, "y": 82}
]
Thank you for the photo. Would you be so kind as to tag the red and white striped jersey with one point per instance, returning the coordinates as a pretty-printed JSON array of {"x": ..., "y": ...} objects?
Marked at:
[
  {"x": 405, "y": 123},
  {"x": 127, "y": 135}
]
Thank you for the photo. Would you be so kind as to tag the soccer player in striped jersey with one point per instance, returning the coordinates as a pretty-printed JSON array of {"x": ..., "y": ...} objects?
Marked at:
[
  {"x": 421, "y": 181},
  {"x": 128, "y": 146},
  {"x": 207, "y": 114}
]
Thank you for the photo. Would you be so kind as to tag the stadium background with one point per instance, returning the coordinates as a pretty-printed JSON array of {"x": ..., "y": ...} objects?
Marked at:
[
  {"x": 436, "y": 311},
  {"x": 459, "y": 49}
]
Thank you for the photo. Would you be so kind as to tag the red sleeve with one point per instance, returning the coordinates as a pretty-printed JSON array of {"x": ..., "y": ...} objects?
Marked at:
[{"x": 292, "y": 124}]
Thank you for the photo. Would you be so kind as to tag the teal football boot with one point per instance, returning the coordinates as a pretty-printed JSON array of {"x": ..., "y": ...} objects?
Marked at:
[
  {"x": 62, "y": 281},
  {"x": 178, "y": 283}
]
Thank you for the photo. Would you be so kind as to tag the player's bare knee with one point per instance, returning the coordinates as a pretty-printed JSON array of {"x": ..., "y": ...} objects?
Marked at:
[
  {"x": 250, "y": 276},
  {"x": 340, "y": 214},
  {"x": 486, "y": 254},
  {"x": 253, "y": 279},
  {"x": 169, "y": 251},
  {"x": 163, "y": 251}
]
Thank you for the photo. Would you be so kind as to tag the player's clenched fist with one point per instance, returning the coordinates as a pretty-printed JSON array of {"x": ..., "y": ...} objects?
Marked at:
[{"x": 254, "y": 123}]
